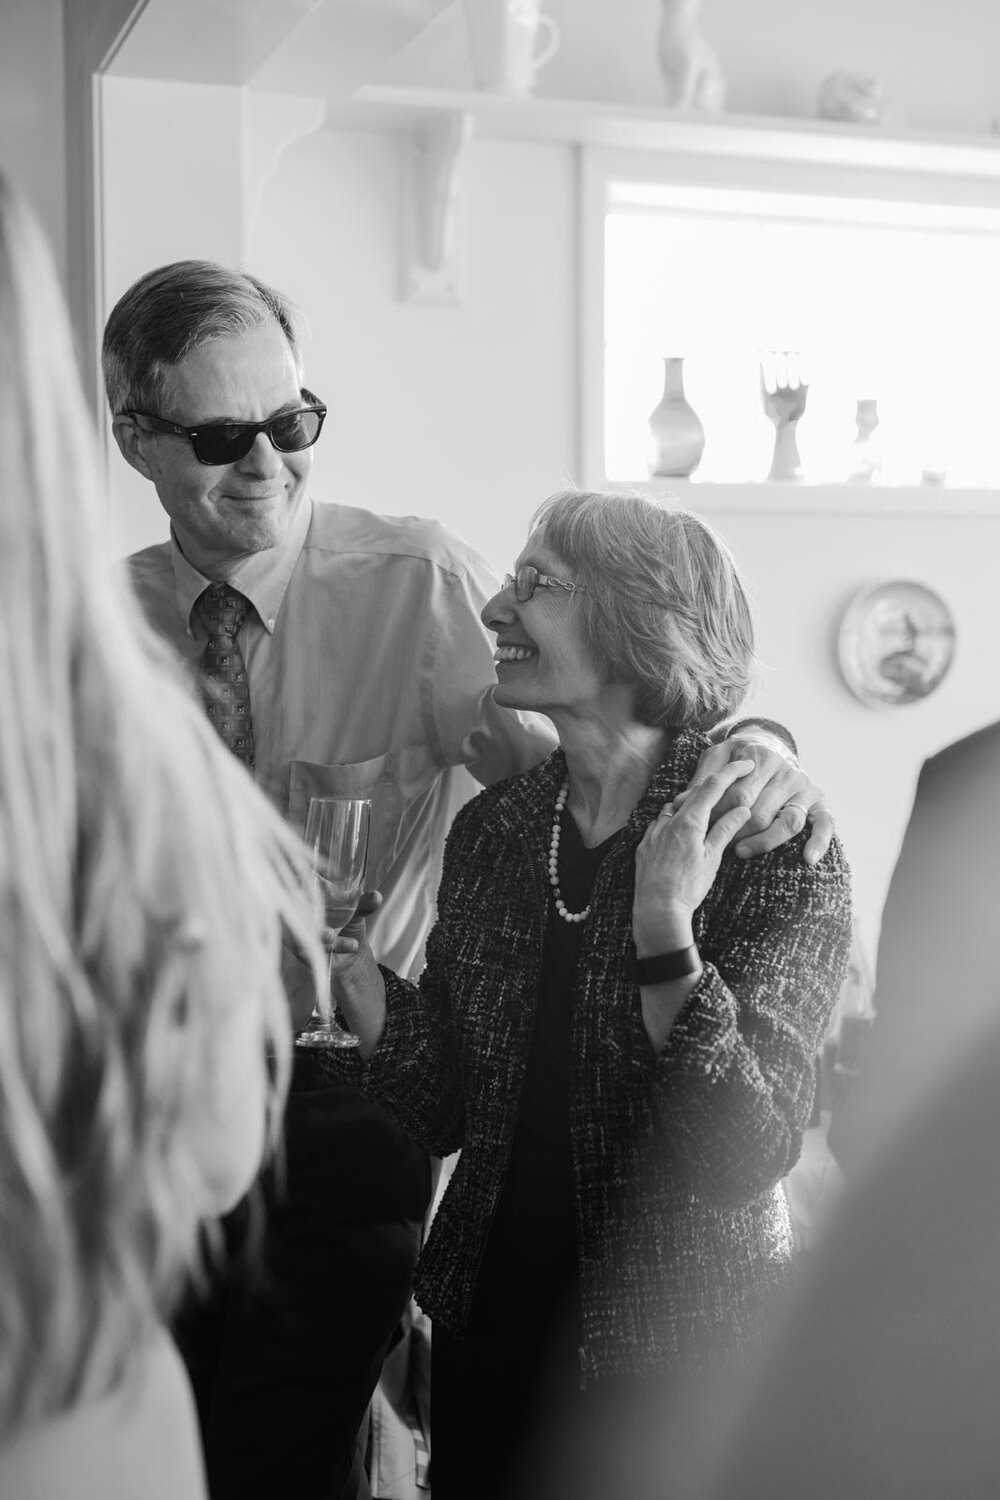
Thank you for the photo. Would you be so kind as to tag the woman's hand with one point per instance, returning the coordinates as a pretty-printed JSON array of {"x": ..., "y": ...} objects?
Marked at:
[
  {"x": 356, "y": 984},
  {"x": 779, "y": 794},
  {"x": 678, "y": 859}
]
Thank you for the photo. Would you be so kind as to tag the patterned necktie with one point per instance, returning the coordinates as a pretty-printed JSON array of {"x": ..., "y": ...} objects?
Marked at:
[{"x": 222, "y": 610}]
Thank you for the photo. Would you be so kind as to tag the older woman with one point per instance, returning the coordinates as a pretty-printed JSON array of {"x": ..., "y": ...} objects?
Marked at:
[{"x": 618, "y": 1018}]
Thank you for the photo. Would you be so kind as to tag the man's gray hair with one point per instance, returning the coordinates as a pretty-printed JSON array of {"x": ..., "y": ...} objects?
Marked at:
[
  {"x": 661, "y": 601},
  {"x": 174, "y": 309}
]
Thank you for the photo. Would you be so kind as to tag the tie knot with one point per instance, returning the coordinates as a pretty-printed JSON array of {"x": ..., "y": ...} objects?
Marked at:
[{"x": 222, "y": 609}]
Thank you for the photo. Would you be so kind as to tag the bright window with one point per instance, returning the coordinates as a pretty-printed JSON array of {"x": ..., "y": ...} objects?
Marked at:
[{"x": 890, "y": 301}]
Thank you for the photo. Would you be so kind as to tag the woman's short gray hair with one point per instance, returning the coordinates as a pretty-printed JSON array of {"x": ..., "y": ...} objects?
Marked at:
[
  {"x": 662, "y": 603},
  {"x": 174, "y": 309}
]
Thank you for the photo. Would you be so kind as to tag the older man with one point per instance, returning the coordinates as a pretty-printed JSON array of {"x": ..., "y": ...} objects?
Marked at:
[{"x": 352, "y": 661}]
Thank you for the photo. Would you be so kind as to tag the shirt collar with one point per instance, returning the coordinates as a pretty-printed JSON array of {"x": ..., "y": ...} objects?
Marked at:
[{"x": 263, "y": 577}]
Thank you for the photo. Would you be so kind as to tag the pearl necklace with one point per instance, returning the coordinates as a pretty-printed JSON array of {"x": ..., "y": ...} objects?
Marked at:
[{"x": 567, "y": 916}]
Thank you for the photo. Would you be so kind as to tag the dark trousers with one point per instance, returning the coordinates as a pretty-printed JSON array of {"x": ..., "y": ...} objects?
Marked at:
[
  {"x": 285, "y": 1353},
  {"x": 510, "y": 1420},
  {"x": 497, "y": 1397}
]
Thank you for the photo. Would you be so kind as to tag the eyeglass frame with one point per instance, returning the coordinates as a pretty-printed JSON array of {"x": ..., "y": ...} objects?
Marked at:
[
  {"x": 538, "y": 581},
  {"x": 160, "y": 424}
]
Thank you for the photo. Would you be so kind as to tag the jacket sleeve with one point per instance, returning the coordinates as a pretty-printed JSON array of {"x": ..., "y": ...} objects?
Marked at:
[{"x": 736, "y": 1077}]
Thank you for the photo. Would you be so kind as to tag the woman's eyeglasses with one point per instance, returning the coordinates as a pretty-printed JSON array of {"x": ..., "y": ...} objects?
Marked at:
[
  {"x": 527, "y": 579},
  {"x": 227, "y": 442}
]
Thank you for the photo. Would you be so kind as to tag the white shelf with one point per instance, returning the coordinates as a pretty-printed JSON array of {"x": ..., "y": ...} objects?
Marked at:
[
  {"x": 806, "y": 500},
  {"x": 622, "y": 126}
]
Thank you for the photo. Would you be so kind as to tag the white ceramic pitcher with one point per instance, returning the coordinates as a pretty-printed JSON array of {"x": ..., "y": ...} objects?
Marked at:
[{"x": 509, "y": 41}]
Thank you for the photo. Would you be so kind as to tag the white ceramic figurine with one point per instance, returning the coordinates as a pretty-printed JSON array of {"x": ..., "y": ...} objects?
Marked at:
[{"x": 691, "y": 70}]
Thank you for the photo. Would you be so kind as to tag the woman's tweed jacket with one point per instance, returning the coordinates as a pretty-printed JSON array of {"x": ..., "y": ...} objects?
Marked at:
[{"x": 677, "y": 1158}]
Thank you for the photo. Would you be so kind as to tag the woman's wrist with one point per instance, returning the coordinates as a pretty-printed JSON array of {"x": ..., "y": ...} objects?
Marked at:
[
  {"x": 664, "y": 968},
  {"x": 358, "y": 990},
  {"x": 666, "y": 932},
  {"x": 355, "y": 976}
]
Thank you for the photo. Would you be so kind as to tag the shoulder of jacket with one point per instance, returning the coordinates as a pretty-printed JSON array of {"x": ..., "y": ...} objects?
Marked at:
[
  {"x": 979, "y": 749},
  {"x": 782, "y": 880},
  {"x": 506, "y": 804}
]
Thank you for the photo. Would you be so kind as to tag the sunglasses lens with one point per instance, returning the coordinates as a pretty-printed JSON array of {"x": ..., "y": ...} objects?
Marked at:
[
  {"x": 224, "y": 442},
  {"x": 228, "y": 442},
  {"x": 299, "y": 429}
]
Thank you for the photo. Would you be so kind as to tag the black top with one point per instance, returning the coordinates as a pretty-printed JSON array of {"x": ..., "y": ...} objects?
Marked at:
[{"x": 529, "y": 1270}]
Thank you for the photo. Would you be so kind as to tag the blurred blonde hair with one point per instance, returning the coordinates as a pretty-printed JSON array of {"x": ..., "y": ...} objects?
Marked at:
[{"x": 144, "y": 883}]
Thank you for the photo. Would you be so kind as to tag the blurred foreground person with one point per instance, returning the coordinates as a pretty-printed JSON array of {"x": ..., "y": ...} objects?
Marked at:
[
  {"x": 618, "y": 1018},
  {"x": 882, "y": 1380},
  {"x": 143, "y": 1033},
  {"x": 937, "y": 984},
  {"x": 881, "y": 1383}
]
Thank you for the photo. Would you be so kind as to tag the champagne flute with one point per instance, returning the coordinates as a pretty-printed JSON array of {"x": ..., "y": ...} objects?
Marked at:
[{"x": 336, "y": 835}]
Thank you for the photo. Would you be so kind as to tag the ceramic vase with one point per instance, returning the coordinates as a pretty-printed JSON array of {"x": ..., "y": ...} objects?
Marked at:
[{"x": 678, "y": 438}]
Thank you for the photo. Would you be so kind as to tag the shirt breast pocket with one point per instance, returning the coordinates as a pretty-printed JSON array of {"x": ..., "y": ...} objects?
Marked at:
[{"x": 377, "y": 780}]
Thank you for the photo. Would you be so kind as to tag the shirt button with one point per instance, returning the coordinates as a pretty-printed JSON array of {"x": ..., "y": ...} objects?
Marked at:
[{"x": 270, "y": 623}]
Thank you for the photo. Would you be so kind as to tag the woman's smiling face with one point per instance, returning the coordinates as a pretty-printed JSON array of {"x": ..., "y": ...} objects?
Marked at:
[{"x": 542, "y": 660}]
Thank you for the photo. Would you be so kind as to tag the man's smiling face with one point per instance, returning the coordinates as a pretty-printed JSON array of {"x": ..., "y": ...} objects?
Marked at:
[{"x": 221, "y": 513}]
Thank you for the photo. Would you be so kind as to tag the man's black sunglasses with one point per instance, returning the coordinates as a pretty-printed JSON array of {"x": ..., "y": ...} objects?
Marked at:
[{"x": 228, "y": 442}]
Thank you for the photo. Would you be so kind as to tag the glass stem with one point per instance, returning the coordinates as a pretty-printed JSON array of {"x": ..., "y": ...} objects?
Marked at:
[{"x": 328, "y": 1018}]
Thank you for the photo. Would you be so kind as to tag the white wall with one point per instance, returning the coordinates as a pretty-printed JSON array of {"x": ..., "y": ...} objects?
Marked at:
[
  {"x": 172, "y": 189},
  {"x": 461, "y": 412}
]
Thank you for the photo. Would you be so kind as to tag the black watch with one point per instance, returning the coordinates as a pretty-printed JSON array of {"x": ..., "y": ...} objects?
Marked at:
[{"x": 661, "y": 967}]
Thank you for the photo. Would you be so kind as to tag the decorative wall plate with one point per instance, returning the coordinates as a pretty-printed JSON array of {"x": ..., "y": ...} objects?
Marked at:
[{"x": 896, "y": 642}]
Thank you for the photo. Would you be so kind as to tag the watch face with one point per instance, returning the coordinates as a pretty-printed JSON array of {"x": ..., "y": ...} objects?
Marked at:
[{"x": 896, "y": 643}]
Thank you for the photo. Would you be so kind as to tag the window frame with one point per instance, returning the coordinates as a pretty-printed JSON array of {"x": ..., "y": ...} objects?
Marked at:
[{"x": 958, "y": 181}]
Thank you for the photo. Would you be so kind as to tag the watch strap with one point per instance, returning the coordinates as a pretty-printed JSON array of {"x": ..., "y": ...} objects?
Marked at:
[{"x": 659, "y": 968}]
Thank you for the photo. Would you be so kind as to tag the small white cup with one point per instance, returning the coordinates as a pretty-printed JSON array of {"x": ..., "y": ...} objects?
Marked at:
[{"x": 509, "y": 41}]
